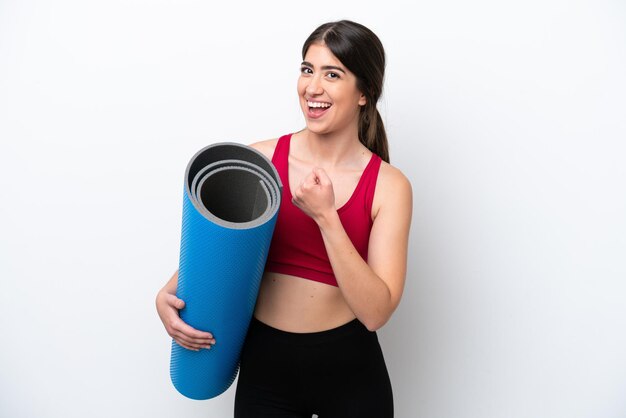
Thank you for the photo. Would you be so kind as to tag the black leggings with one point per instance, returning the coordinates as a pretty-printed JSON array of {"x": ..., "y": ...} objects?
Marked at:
[{"x": 336, "y": 373}]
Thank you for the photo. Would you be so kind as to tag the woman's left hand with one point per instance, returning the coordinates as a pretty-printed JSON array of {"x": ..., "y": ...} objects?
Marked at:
[{"x": 315, "y": 195}]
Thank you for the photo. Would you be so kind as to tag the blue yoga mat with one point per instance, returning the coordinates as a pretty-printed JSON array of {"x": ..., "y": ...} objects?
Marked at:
[{"x": 230, "y": 204}]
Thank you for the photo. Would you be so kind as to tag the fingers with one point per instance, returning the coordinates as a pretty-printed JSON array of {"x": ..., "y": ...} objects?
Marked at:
[
  {"x": 306, "y": 184},
  {"x": 317, "y": 177},
  {"x": 174, "y": 302},
  {"x": 184, "y": 334},
  {"x": 321, "y": 176},
  {"x": 315, "y": 193},
  {"x": 189, "y": 337}
]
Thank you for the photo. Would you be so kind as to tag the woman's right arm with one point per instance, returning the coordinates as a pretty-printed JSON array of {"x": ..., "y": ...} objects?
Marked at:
[{"x": 168, "y": 305}]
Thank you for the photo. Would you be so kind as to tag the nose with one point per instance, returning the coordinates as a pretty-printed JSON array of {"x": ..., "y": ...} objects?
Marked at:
[{"x": 314, "y": 87}]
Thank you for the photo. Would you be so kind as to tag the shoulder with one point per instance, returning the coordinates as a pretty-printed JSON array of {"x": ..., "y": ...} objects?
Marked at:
[
  {"x": 391, "y": 179},
  {"x": 393, "y": 190},
  {"x": 266, "y": 147}
]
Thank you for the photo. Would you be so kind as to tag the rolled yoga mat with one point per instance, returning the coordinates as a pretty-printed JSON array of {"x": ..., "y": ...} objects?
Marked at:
[{"x": 230, "y": 204}]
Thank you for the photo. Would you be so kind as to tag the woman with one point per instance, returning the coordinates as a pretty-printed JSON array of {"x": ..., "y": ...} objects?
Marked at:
[{"x": 337, "y": 262}]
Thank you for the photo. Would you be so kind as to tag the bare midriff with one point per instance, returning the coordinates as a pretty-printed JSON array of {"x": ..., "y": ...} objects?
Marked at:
[{"x": 295, "y": 304}]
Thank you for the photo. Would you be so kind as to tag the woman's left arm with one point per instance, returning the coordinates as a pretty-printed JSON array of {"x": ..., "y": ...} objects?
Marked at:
[{"x": 372, "y": 289}]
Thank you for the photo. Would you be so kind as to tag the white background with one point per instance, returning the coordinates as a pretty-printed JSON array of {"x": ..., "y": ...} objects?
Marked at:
[{"x": 509, "y": 118}]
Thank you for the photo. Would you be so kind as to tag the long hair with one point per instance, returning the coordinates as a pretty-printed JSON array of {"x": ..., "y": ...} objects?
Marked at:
[{"x": 360, "y": 50}]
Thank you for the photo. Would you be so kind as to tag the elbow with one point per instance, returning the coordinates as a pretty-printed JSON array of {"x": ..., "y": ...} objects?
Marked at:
[
  {"x": 373, "y": 327},
  {"x": 376, "y": 319},
  {"x": 377, "y": 311},
  {"x": 374, "y": 324}
]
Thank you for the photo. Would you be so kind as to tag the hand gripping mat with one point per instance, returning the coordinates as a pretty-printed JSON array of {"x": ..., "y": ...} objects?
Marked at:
[{"x": 231, "y": 201}]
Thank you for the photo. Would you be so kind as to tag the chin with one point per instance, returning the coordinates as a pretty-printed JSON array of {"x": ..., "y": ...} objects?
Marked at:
[{"x": 317, "y": 128}]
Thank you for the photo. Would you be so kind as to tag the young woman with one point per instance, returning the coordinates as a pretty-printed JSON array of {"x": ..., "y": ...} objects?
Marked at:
[{"x": 337, "y": 262}]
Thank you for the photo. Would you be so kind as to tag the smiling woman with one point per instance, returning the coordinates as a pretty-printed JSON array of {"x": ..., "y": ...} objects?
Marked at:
[
  {"x": 336, "y": 267},
  {"x": 366, "y": 65},
  {"x": 324, "y": 82}
]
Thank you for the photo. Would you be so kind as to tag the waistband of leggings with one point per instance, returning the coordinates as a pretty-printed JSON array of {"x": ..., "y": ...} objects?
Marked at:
[{"x": 348, "y": 329}]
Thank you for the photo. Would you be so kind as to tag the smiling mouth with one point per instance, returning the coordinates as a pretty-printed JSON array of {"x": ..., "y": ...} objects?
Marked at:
[
  {"x": 317, "y": 109},
  {"x": 318, "y": 105}
]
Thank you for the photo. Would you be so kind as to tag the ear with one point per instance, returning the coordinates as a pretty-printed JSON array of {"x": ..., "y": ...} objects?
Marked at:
[{"x": 362, "y": 100}]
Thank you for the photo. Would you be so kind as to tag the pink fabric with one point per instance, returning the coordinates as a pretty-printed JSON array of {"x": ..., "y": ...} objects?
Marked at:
[{"x": 297, "y": 247}]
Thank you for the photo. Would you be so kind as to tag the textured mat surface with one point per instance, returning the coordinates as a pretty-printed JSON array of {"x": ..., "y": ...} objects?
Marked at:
[{"x": 230, "y": 204}]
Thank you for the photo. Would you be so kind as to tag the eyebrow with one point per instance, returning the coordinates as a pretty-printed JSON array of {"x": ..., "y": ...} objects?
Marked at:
[{"x": 325, "y": 67}]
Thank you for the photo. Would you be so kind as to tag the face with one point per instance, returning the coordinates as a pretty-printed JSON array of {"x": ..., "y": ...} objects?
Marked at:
[{"x": 329, "y": 98}]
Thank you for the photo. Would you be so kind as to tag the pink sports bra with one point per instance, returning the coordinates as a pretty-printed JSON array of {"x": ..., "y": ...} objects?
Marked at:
[{"x": 297, "y": 247}]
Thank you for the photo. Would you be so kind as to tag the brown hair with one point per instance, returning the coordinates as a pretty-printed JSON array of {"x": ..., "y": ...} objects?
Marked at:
[{"x": 360, "y": 50}]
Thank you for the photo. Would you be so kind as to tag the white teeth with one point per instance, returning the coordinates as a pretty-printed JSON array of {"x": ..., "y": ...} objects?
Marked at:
[{"x": 318, "y": 104}]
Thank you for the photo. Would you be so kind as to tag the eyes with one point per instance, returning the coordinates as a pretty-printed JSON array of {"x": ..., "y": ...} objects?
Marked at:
[{"x": 304, "y": 70}]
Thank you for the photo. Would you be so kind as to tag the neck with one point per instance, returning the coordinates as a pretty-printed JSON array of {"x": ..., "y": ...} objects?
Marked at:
[{"x": 332, "y": 150}]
